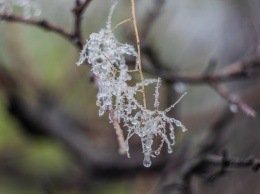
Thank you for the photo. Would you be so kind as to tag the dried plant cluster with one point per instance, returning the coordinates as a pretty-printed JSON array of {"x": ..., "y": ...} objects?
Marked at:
[
  {"x": 29, "y": 7},
  {"x": 107, "y": 57}
]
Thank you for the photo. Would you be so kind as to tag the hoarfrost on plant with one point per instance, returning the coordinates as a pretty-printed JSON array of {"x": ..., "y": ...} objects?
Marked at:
[{"x": 107, "y": 57}]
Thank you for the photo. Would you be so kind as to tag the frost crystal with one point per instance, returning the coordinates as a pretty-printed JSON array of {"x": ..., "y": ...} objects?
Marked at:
[
  {"x": 29, "y": 7},
  {"x": 107, "y": 57},
  {"x": 179, "y": 87}
]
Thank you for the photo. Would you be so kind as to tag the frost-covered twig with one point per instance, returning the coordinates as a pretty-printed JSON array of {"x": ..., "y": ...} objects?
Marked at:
[{"x": 107, "y": 57}]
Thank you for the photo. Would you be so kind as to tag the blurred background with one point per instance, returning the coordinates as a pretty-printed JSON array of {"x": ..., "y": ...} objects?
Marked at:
[{"x": 51, "y": 138}]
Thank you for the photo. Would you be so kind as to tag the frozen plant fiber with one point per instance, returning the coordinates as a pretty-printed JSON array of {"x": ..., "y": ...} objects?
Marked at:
[{"x": 107, "y": 57}]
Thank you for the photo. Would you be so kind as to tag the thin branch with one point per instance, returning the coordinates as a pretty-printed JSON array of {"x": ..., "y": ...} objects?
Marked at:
[
  {"x": 75, "y": 37},
  {"x": 41, "y": 24},
  {"x": 139, "y": 51},
  {"x": 201, "y": 167},
  {"x": 173, "y": 105},
  {"x": 223, "y": 162},
  {"x": 120, "y": 23},
  {"x": 187, "y": 159},
  {"x": 233, "y": 99},
  {"x": 250, "y": 162},
  {"x": 243, "y": 69},
  {"x": 237, "y": 71},
  {"x": 78, "y": 12}
]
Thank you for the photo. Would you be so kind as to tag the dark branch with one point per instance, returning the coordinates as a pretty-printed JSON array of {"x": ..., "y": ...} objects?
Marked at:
[
  {"x": 201, "y": 167},
  {"x": 39, "y": 23},
  {"x": 78, "y": 12},
  {"x": 75, "y": 37},
  {"x": 237, "y": 71},
  {"x": 223, "y": 162},
  {"x": 188, "y": 159},
  {"x": 233, "y": 99}
]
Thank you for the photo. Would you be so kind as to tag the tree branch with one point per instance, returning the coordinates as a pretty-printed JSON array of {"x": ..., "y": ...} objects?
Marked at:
[
  {"x": 237, "y": 71},
  {"x": 151, "y": 17},
  {"x": 39, "y": 23},
  {"x": 176, "y": 178},
  {"x": 78, "y": 11},
  {"x": 233, "y": 99},
  {"x": 199, "y": 167}
]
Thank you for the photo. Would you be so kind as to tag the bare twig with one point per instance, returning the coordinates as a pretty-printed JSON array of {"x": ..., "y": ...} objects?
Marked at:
[
  {"x": 250, "y": 162},
  {"x": 233, "y": 99},
  {"x": 120, "y": 23},
  {"x": 173, "y": 105},
  {"x": 237, "y": 71},
  {"x": 223, "y": 162},
  {"x": 119, "y": 133},
  {"x": 38, "y": 23},
  {"x": 244, "y": 69},
  {"x": 75, "y": 37},
  {"x": 184, "y": 162},
  {"x": 78, "y": 12},
  {"x": 201, "y": 167}
]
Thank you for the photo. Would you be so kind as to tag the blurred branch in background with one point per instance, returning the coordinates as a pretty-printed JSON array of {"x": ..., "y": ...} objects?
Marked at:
[
  {"x": 194, "y": 157},
  {"x": 202, "y": 167}
]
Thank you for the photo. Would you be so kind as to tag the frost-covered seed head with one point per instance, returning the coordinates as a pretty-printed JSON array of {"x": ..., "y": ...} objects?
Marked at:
[{"x": 107, "y": 57}]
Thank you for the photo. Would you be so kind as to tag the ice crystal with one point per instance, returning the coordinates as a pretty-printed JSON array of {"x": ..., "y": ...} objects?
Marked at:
[
  {"x": 29, "y": 7},
  {"x": 179, "y": 87},
  {"x": 107, "y": 57},
  {"x": 148, "y": 124},
  {"x": 233, "y": 108}
]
